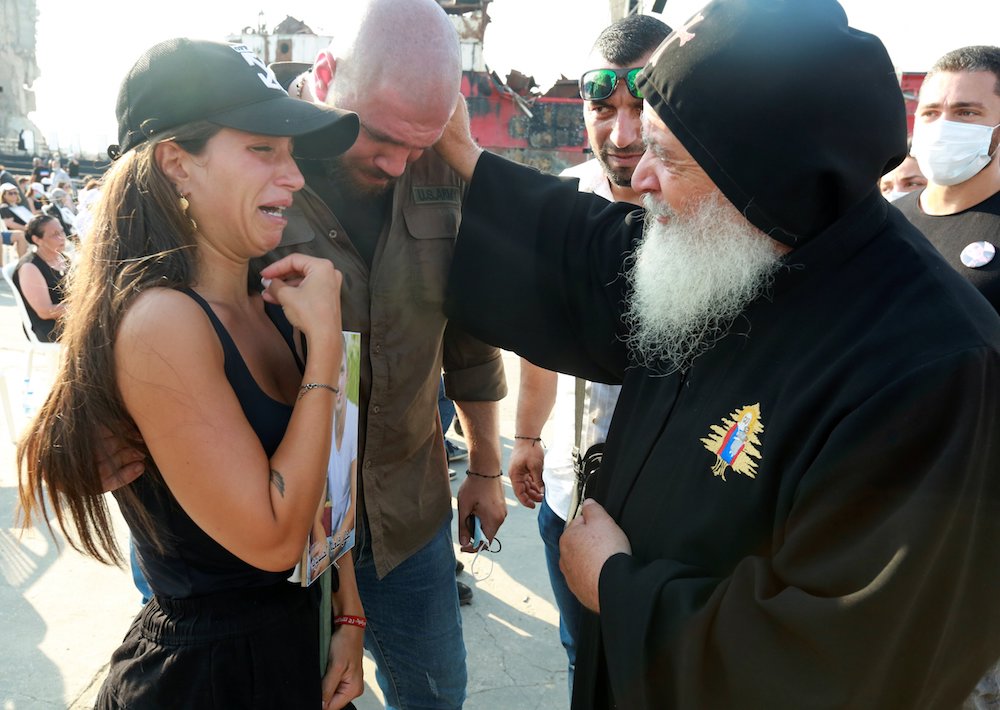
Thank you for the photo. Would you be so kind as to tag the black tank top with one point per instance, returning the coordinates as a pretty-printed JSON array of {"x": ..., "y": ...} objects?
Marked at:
[
  {"x": 194, "y": 564},
  {"x": 44, "y": 328}
]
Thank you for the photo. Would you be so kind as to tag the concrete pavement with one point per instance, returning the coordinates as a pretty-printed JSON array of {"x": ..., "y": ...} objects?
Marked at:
[{"x": 62, "y": 615}]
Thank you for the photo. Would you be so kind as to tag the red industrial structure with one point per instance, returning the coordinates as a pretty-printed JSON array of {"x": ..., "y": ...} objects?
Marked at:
[{"x": 910, "y": 83}]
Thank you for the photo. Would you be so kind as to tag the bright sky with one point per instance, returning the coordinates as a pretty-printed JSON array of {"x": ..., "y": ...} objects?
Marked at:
[{"x": 77, "y": 88}]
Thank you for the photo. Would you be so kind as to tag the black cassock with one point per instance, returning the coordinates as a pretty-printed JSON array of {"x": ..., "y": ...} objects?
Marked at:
[{"x": 814, "y": 506}]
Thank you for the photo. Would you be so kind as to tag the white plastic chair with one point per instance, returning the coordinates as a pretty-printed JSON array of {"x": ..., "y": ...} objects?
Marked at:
[
  {"x": 7, "y": 412},
  {"x": 34, "y": 344}
]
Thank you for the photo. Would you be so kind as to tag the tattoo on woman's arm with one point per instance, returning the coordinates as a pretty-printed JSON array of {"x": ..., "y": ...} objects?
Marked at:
[{"x": 278, "y": 481}]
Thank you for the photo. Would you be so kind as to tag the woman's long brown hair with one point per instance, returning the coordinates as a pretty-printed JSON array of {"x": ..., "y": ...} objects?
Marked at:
[{"x": 140, "y": 239}]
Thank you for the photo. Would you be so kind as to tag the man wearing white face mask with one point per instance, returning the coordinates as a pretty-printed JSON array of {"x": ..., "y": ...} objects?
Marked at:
[
  {"x": 955, "y": 140},
  {"x": 955, "y": 143}
]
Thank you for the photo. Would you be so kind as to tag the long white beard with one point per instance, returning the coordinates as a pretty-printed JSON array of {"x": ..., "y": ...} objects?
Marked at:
[{"x": 690, "y": 278}]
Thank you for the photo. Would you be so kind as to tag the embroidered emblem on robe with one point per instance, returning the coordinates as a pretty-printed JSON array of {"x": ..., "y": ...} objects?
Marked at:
[{"x": 736, "y": 442}]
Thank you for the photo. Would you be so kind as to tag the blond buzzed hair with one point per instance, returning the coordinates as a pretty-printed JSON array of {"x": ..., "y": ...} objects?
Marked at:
[{"x": 406, "y": 43}]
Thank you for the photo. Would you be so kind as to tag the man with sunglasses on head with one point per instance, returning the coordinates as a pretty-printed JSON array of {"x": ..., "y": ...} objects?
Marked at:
[
  {"x": 386, "y": 213},
  {"x": 611, "y": 111}
]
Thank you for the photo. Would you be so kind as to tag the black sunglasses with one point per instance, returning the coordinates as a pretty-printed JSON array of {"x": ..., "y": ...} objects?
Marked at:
[{"x": 599, "y": 84}]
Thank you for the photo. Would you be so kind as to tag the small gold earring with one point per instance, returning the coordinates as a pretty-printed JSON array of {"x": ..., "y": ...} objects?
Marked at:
[{"x": 184, "y": 204}]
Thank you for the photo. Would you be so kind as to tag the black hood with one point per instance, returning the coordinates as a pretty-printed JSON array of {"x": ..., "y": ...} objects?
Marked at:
[{"x": 791, "y": 113}]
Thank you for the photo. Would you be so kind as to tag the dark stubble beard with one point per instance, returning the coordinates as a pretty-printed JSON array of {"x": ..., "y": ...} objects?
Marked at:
[
  {"x": 691, "y": 278},
  {"x": 622, "y": 177},
  {"x": 347, "y": 183}
]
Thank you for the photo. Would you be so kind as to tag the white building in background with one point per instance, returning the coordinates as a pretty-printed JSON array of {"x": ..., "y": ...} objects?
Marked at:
[
  {"x": 20, "y": 69},
  {"x": 291, "y": 41}
]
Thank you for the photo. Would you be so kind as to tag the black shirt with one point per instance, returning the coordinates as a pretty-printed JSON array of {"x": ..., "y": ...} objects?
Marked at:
[
  {"x": 194, "y": 564},
  {"x": 7, "y": 213},
  {"x": 952, "y": 233},
  {"x": 45, "y": 328}
]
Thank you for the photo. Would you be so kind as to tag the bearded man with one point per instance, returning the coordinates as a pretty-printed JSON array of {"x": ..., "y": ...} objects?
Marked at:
[
  {"x": 799, "y": 503},
  {"x": 386, "y": 213}
]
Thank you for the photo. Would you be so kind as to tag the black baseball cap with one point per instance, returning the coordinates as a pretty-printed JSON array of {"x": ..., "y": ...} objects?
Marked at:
[{"x": 184, "y": 80}]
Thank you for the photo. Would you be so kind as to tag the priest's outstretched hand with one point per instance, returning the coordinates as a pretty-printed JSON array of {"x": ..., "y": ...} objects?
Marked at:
[{"x": 456, "y": 145}]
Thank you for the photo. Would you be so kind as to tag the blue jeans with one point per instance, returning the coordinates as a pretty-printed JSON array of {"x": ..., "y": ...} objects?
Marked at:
[
  {"x": 550, "y": 528},
  {"x": 414, "y": 628},
  {"x": 446, "y": 409}
]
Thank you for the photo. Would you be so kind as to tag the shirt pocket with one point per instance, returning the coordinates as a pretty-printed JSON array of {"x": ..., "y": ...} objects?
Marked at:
[
  {"x": 298, "y": 230},
  {"x": 431, "y": 231}
]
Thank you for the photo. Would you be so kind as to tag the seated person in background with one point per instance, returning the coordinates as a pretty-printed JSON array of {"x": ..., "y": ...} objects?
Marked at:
[
  {"x": 14, "y": 238},
  {"x": 63, "y": 197},
  {"x": 36, "y": 196},
  {"x": 60, "y": 207},
  {"x": 24, "y": 183},
  {"x": 59, "y": 176},
  {"x": 67, "y": 187},
  {"x": 39, "y": 171},
  {"x": 40, "y": 276},
  {"x": 6, "y": 176},
  {"x": 86, "y": 199},
  {"x": 15, "y": 216}
]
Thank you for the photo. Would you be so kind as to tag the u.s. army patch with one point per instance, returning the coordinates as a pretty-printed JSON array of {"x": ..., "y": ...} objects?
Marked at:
[
  {"x": 432, "y": 194},
  {"x": 735, "y": 443}
]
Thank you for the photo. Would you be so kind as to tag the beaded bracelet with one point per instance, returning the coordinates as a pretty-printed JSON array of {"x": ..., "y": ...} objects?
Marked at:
[
  {"x": 359, "y": 621},
  {"x": 316, "y": 385},
  {"x": 532, "y": 439},
  {"x": 483, "y": 475}
]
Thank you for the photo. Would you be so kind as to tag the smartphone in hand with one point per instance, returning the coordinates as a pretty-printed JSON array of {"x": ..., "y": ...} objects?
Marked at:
[{"x": 475, "y": 528}]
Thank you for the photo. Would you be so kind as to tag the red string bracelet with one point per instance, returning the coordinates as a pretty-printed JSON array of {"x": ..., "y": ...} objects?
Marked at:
[{"x": 358, "y": 621}]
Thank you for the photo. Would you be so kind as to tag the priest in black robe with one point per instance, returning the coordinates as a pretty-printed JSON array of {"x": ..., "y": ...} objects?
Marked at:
[{"x": 799, "y": 503}]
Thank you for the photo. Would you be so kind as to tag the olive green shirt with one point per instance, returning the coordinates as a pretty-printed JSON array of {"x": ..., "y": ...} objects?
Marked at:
[{"x": 396, "y": 305}]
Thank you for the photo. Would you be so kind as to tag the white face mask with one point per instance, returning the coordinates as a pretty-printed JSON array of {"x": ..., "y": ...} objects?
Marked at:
[
  {"x": 950, "y": 152},
  {"x": 894, "y": 195}
]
